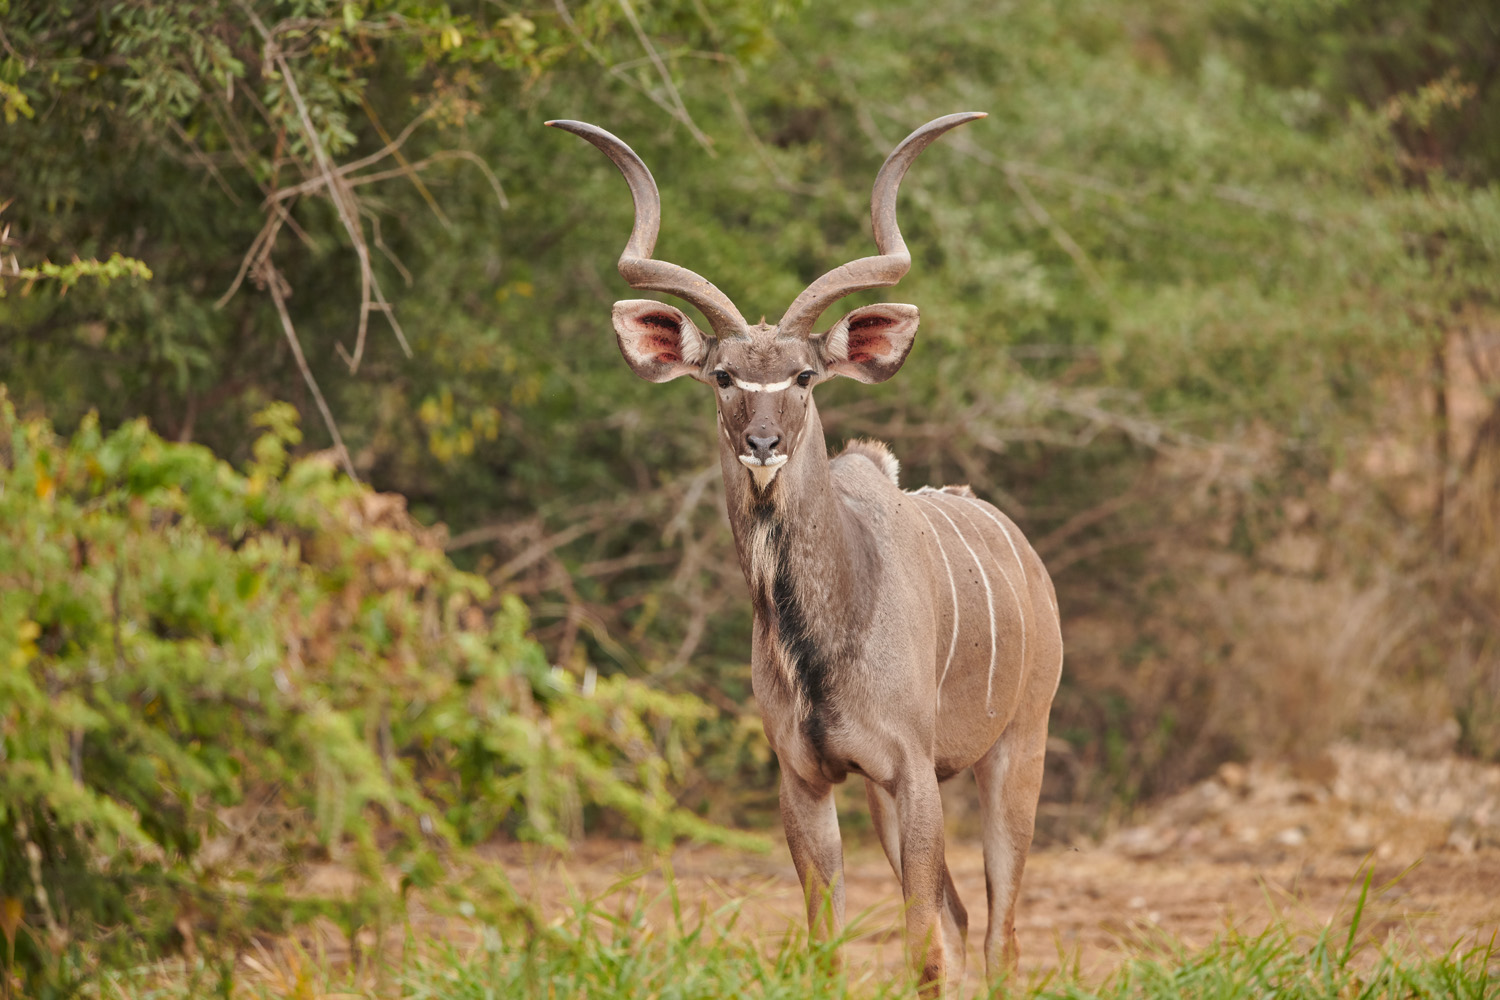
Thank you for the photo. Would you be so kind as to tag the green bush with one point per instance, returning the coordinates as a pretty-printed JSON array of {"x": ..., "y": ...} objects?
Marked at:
[{"x": 209, "y": 677}]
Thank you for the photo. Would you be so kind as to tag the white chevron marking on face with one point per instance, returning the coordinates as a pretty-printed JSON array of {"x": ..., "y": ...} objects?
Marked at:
[{"x": 764, "y": 386}]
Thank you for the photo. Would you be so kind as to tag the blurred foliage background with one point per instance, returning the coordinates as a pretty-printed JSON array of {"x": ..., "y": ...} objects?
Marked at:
[{"x": 1209, "y": 306}]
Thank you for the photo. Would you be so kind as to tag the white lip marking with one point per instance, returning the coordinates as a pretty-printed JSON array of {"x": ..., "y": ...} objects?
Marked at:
[
  {"x": 765, "y": 471},
  {"x": 765, "y": 386},
  {"x": 774, "y": 462}
]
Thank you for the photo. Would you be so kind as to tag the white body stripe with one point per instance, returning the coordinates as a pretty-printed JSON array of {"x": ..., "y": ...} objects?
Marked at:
[
  {"x": 1020, "y": 608},
  {"x": 989, "y": 593},
  {"x": 990, "y": 686},
  {"x": 952, "y": 589}
]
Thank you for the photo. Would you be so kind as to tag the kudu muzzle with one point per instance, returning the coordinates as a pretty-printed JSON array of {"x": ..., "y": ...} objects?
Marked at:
[{"x": 764, "y": 448}]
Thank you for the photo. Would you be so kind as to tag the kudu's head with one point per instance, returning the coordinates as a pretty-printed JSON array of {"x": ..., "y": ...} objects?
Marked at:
[{"x": 763, "y": 375}]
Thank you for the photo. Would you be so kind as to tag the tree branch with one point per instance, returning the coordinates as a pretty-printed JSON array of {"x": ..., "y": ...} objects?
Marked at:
[{"x": 342, "y": 197}]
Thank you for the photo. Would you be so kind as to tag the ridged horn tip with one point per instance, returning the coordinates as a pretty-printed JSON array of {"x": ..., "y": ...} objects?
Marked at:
[
  {"x": 894, "y": 260},
  {"x": 636, "y": 264}
]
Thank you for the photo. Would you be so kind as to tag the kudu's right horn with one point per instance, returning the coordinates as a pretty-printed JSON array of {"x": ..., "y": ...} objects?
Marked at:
[
  {"x": 894, "y": 260},
  {"x": 636, "y": 265}
]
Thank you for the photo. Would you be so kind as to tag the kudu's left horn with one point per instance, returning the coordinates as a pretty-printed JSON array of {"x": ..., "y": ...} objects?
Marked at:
[
  {"x": 894, "y": 260},
  {"x": 636, "y": 265}
]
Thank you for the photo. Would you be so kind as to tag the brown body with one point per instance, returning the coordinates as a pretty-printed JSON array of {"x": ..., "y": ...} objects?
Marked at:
[{"x": 900, "y": 636}]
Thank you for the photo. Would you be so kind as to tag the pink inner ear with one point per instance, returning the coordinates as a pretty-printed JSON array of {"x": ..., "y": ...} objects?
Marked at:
[
  {"x": 662, "y": 348},
  {"x": 665, "y": 347},
  {"x": 867, "y": 342}
]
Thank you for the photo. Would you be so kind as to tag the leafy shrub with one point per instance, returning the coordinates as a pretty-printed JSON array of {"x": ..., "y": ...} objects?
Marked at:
[{"x": 209, "y": 677}]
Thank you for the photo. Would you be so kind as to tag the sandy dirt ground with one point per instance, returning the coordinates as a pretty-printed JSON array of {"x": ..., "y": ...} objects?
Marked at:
[{"x": 1247, "y": 847}]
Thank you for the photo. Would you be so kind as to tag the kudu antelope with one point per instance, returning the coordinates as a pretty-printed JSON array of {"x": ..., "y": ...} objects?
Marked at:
[{"x": 902, "y": 636}]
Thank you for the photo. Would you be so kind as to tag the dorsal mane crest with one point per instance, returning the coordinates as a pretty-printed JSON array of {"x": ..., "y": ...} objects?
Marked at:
[{"x": 877, "y": 452}]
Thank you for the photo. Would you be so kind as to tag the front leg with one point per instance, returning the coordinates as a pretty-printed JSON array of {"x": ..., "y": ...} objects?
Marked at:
[
  {"x": 924, "y": 880},
  {"x": 883, "y": 813},
  {"x": 812, "y": 833}
]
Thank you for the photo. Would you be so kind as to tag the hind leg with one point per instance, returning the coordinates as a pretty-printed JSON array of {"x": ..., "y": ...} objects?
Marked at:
[{"x": 1010, "y": 782}]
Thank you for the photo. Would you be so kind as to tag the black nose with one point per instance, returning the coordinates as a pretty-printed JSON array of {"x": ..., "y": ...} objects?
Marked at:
[{"x": 762, "y": 447}]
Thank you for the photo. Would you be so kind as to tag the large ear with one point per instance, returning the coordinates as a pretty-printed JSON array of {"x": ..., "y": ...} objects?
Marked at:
[
  {"x": 658, "y": 341},
  {"x": 871, "y": 342}
]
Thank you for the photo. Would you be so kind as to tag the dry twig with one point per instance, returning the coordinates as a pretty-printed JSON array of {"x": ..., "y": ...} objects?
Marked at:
[
  {"x": 372, "y": 296},
  {"x": 276, "y": 285},
  {"x": 673, "y": 107}
]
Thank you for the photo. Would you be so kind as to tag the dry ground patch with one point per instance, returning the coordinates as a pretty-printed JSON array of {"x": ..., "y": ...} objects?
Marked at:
[{"x": 1238, "y": 850}]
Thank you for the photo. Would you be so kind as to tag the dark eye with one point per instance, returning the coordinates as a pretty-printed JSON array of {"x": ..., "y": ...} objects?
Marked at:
[
  {"x": 724, "y": 380},
  {"x": 804, "y": 378}
]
